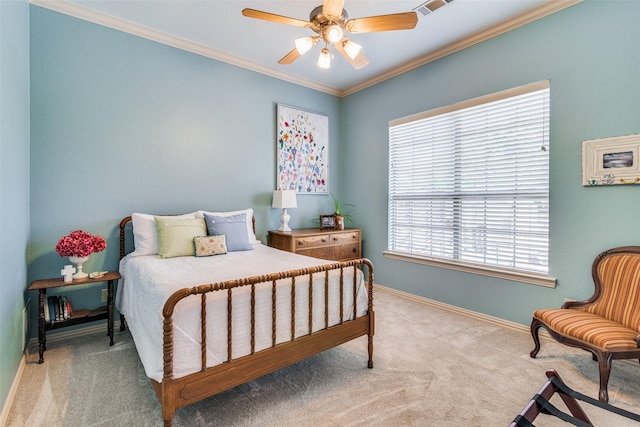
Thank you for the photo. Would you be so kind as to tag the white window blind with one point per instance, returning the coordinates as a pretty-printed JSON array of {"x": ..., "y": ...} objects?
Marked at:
[{"x": 470, "y": 182}]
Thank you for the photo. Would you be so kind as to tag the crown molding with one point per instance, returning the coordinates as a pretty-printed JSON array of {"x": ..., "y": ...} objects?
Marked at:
[
  {"x": 118, "y": 24},
  {"x": 533, "y": 14}
]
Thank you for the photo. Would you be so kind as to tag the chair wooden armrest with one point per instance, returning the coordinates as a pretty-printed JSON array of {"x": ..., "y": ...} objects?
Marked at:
[{"x": 577, "y": 304}]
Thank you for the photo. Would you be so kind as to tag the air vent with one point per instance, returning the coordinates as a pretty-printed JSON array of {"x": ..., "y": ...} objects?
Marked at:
[{"x": 431, "y": 6}]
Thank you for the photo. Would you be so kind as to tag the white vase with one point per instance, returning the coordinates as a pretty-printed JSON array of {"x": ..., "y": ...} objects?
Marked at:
[{"x": 78, "y": 261}]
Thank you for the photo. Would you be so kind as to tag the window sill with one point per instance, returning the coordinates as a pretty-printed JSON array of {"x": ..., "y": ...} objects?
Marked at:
[{"x": 500, "y": 273}]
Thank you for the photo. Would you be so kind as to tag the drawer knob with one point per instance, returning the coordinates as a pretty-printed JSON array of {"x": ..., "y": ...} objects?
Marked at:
[
  {"x": 324, "y": 240},
  {"x": 355, "y": 250}
]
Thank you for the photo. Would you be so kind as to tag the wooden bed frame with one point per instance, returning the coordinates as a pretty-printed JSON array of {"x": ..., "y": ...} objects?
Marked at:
[{"x": 174, "y": 393}]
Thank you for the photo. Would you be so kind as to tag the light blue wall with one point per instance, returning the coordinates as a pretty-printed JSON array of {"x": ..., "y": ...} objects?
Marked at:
[
  {"x": 121, "y": 124},
  {"x": 14, "y": 184},
  {"x": 591, "y": 55}
]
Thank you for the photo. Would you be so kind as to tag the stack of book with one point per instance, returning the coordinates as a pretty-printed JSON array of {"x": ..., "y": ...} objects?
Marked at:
[{"x": 57, "y": 308}]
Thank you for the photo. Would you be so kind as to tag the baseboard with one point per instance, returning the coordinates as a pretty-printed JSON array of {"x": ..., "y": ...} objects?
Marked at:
[
  {"x": 458, "y": 310},
  {"x": 13, "y": 390}
]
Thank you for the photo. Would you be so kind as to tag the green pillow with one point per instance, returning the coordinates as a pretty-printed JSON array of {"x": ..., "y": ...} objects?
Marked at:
[{"x": 175, "y": 235}]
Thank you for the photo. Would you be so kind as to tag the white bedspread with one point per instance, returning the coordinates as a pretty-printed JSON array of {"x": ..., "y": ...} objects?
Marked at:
[{"x": 148, "y": 281}]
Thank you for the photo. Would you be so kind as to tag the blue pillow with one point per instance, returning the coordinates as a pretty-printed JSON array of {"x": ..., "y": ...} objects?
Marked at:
[{"x": 233, "y": 227}]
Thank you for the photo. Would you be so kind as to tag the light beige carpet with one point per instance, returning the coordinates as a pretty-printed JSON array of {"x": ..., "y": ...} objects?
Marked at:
[{"x": 432, "y": 368}]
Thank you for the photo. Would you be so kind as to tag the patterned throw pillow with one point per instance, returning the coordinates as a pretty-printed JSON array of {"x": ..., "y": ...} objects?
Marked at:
[{"x": 210, "y": 245}]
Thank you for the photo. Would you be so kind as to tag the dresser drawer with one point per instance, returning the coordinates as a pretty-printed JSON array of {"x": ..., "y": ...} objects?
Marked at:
[
  {"x": 345, "y": 238},
  {"x": 312, "y": 241},
  {"x": 323, "y": 252},
  {"x": 346, "y": 252}
]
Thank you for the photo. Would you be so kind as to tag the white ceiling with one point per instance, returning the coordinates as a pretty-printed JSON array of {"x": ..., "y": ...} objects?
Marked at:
[{"x": 216, "y": 28}]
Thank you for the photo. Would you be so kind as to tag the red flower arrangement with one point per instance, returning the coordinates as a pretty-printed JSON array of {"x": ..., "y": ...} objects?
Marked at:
[{"x": 80, "y": 244}]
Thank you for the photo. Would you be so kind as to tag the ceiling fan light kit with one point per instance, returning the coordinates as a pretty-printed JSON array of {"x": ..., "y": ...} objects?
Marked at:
[
  {"x": 330, "y": 21},
  {"x": 304, "y": 44},
  {"x": 324, "y": 60},
  {"x": 333, "y": 33},
  {"x": 352, "y": 49}
]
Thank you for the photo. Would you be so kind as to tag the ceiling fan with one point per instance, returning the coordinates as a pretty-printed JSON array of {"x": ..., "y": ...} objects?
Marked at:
[{"x": 330, "y": 21}]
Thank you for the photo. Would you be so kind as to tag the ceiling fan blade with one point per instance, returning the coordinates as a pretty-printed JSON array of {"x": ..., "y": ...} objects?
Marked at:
[
  {"x": 290, "y": 57},
  {"x": 370, "y": 24},
  {"x": 332, "y": 9},
  {"x": 258, "y": 14},
  {"x": 360, "y": 61}
]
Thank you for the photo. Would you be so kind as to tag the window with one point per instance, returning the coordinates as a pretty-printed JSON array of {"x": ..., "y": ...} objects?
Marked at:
[{"x": 469, "y": 183}]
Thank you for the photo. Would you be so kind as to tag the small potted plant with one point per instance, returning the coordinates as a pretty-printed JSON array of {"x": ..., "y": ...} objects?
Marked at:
[{"x": 342, "y": 212}]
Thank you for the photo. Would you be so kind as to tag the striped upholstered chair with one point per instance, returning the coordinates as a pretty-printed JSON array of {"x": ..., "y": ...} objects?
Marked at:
[{"x": 608, "y": 323}]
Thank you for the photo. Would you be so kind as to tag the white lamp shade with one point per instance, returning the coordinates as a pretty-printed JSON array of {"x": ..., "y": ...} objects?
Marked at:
[
  {"x": 352, "y": 49},
  {"x": 324, "y": 60},
  {"x": 303, "y": 44},
  {"x": 284, "y": 199}
]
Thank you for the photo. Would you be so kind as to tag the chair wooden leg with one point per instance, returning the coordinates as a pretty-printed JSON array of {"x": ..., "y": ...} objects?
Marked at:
[
  {"x": 604, "y": 366},
  {"x": 535, "y": 326}
]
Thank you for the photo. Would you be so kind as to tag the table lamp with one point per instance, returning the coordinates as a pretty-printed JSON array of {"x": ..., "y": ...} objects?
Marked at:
[{"x": 283, "y": 199}]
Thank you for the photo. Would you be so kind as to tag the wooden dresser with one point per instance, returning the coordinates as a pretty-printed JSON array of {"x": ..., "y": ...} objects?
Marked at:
[{"x": 335, "y": 245}]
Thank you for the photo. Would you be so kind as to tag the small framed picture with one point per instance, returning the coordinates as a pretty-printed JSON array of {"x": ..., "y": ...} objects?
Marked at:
[
  {"x": 327, "y": 222},
  {"x": 611, "y": 161}
]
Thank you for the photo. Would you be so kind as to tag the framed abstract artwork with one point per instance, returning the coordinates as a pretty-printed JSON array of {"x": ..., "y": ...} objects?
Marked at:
[
  {"x": 611, "y": 161},
  {"x": 303, "y": 151}
]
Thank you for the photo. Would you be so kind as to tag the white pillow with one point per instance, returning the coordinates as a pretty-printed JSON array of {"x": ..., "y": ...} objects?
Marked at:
[
  {"x": 248, "y": 212},
  {"x": 145, "y": 236}
]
